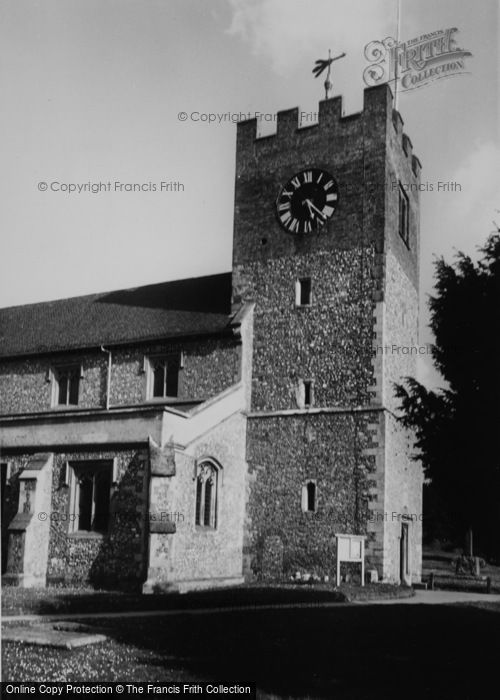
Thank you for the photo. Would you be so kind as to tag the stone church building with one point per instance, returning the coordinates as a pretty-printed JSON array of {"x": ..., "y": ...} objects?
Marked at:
[{"x": 206, "y": 431}]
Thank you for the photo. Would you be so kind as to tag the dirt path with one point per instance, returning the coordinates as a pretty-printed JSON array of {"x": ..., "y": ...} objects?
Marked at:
[{"x": 441, "y": 598}]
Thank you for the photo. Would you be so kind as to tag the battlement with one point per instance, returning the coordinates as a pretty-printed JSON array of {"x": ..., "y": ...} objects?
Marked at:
[
  {"x": 398, "y": 123},
  {"x": 290, "y": 123}
]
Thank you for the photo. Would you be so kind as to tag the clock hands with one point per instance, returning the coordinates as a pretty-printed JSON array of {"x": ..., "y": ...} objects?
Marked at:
[{"x": 311, "y": 207}]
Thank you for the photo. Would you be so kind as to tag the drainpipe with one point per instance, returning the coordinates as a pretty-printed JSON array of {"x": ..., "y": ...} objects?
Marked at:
[{"x": 108, "y": 380}]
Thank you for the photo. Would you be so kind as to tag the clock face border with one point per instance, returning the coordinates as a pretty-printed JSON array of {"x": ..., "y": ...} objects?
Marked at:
[{"x": 307, "y": 201}]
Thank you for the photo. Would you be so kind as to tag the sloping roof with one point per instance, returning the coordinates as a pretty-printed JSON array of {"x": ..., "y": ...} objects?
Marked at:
[{"x": 197, "y": 306}]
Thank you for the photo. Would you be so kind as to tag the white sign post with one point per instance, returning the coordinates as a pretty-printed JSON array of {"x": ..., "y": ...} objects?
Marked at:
[{"x": 351, "y": 549}]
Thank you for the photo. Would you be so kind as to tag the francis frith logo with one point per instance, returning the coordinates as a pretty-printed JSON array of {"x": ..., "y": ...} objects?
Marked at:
[{"x": 415, "y": 63}]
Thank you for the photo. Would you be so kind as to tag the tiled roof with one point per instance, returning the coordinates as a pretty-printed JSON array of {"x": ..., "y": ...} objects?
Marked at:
[{"x": 197, "y": 306}]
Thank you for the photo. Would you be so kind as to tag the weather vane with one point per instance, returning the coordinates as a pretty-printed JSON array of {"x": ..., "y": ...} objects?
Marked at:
[{"x": 320, "y": 66}]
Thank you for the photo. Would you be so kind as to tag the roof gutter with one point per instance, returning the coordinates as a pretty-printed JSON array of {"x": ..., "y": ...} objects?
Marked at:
[{"x": 226, "y": 332}]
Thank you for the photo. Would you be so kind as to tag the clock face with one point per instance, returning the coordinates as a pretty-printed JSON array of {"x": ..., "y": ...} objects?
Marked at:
[{"x": 307, "y": 201}]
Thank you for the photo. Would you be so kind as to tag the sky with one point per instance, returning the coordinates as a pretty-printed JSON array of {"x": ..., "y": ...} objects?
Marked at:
[{"x": 93, "y": 92}]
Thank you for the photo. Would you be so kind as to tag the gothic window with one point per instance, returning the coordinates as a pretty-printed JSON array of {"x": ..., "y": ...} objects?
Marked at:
[
  {"x": 309, "y": 497},
  {"x": 91, "y": 495},
  {"x": 206, "y": 494},
  {"x": 67, "y": 385},
  {"x": 164, "y": 377},
  {"x": 404, "y": 227}
]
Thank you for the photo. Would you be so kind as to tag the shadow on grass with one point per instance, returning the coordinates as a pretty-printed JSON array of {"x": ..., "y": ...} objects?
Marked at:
[
  {"x": 357, "y": 651},
  {"x": 344, "y": 652},
  {"x": 17, "y": 601}
]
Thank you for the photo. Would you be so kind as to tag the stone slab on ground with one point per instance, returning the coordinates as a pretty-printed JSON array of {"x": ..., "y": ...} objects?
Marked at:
[
  {"x": 70, "y": 626},
  {"x": 48, "y": 636}
]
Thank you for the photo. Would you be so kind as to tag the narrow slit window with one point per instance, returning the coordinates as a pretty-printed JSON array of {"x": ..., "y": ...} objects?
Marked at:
[
  {"x": 309, "y": 497},
  {"x": 404, "y": 222},
  {"x": 307, "y": 392},
  {"x": 304, "y": 292}
]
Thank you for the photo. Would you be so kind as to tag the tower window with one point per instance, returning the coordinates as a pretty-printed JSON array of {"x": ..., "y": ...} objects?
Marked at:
[
  {"x": 308, "y": 392},
  {"x": 303, "y": 292},
  {"x": 404, "y": 208},
  {"x": 206, "y": 495},
  {"x": 309, "y": 497}
]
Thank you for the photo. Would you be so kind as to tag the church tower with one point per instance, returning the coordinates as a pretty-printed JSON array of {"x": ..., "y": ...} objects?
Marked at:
[{"x": 326, "y": 238}]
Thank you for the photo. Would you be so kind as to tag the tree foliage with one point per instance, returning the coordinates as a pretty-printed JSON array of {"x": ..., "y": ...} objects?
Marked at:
[{"x": 457, "y": 429}]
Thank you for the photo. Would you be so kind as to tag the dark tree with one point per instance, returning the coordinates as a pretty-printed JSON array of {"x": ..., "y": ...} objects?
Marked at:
[{"x": 458, "y": 429}]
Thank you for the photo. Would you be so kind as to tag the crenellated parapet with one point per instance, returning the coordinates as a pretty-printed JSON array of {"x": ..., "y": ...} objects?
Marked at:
[
  {"x": 404, "y": 139},
  {"x": 296, "y": 124}
]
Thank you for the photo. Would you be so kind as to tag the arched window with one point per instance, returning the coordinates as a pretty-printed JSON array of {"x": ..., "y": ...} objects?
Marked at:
[
  {"x": 309, "y": 497},
  {"x": 206, "y": 494}
]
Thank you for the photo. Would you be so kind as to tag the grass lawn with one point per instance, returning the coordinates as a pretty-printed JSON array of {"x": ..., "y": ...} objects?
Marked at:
[{"x": 357, "y": 652}]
